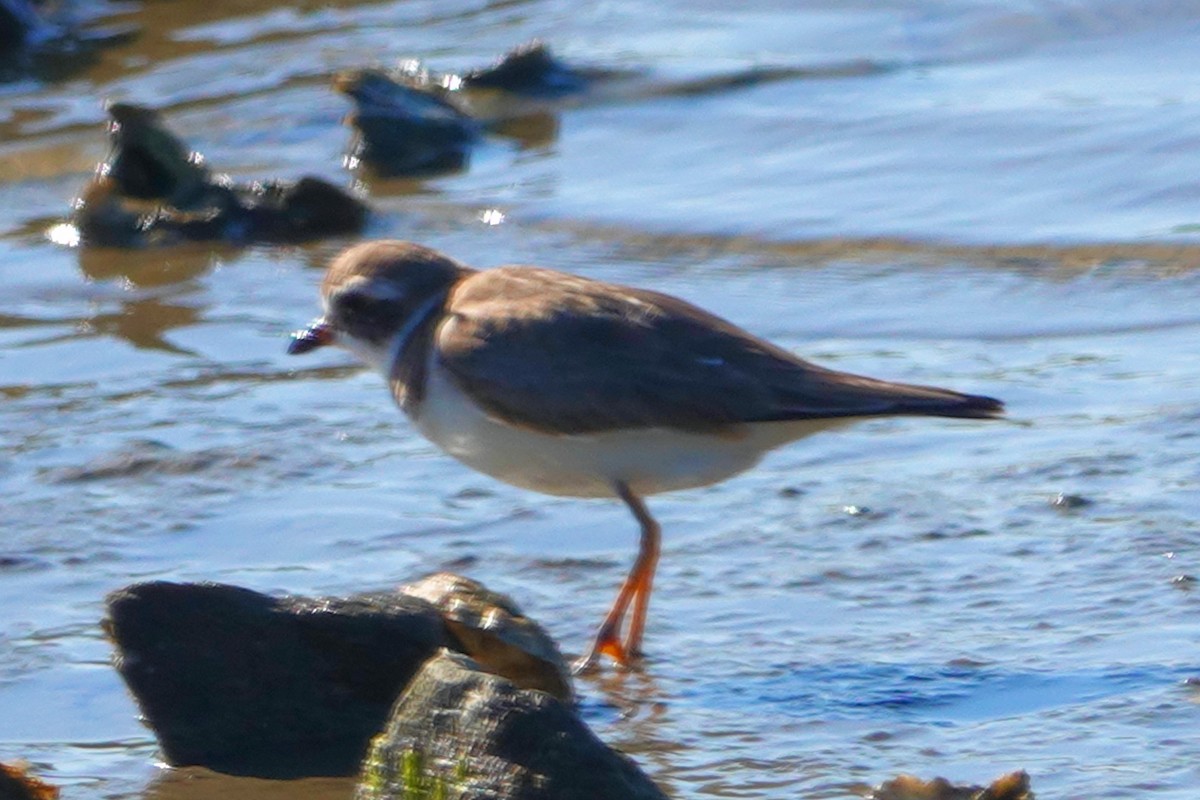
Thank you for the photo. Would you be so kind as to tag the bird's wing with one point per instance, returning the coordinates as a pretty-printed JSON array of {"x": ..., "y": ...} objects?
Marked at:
[{"x": 563, "y": 354}]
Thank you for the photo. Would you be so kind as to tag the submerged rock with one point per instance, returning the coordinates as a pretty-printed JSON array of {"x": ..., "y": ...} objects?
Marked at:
[
  {"x": 53, "y": 40},
  {"x": 17, "y": 784},
  {"x": 248, "y": 684},
  {"x": 21, "y": 25},
  {"x": 145, "y": 459},
  {"x": 533, "y": 70},
  {"x": 489, "y": 627},
  {"x": 459, "y": 733},
  {"x": 267, "y": 211},
  {"x": 1013, "y": 786},
  {"x": 153, "y": 190},
  {"x": 148, "y": 162},
  {"x": 1069, "y": 502},
  {"x": 412, "y": 121},
  {"x": 404, "y": 128}
]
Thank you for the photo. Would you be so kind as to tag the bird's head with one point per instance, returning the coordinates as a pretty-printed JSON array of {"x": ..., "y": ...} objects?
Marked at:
[{"x": 374, "y": 295}]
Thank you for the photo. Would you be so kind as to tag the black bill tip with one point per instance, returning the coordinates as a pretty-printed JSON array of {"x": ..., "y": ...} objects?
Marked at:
[{"x": 315, "y": 335}]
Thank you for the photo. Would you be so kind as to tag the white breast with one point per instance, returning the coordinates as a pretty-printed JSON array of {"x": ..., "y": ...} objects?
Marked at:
[{"x": 649, "y": 461}]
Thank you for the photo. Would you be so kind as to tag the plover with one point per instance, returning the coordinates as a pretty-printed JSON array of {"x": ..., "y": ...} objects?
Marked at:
[{"x": 576, "y": 387}]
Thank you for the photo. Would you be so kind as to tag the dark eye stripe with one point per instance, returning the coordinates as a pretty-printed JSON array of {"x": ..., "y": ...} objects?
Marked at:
[
  {"x": 354, "y": 303},
  {"x": 363, "y": 316}
]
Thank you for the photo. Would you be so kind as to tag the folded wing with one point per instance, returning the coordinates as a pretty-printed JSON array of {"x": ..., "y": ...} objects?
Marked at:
[{"x": 567, "y": 355}]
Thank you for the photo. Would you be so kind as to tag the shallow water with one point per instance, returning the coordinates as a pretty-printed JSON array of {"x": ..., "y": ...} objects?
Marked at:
[{"x": 992, "y": 196}]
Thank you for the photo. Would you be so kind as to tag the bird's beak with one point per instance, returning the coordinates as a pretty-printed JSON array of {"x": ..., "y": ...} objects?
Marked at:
[{"x": 318, "y": 334}]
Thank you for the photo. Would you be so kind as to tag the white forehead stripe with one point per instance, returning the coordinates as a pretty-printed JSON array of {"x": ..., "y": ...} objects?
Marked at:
[
  {"x": 385, "y": 291},
  {"x": 375, "y": 289}
]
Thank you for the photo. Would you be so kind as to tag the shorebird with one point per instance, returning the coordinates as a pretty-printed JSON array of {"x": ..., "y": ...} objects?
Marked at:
[{"x": 575, "y": 387}]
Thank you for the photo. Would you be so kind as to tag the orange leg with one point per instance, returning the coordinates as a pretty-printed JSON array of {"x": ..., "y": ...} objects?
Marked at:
[
  {"x": 648, "y": 555},
  {"x": 635, "y": 589}
]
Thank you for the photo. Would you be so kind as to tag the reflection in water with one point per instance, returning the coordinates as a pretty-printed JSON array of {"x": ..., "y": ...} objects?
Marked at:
[
  {"x": 195, "y": 783},
  {"x": 749, "y": 77},
  {"x": 145, "y": 323},
  {"x": 531, "y": 131},
  {"x": 1042, "y": 261},
  {"x": 635, "y": 710},
  {"x": 149, "y": 268}
]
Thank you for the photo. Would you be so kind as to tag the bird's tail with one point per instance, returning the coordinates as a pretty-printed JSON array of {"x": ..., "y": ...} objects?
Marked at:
[{"x": 840, "y": 394}]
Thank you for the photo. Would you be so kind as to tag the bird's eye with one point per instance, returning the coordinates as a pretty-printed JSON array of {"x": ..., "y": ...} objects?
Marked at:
[
  {"x": 363, "y": 315},
  {"x": 354, "y": 304}
]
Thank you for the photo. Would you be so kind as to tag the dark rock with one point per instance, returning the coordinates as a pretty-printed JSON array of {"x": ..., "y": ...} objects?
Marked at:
[
  {"x": 102, "y": 219},
  {"x": 247, "y": 684},
  {"x": 17, "y": 784},
  {"x": 403, "y": 127},
  {"x": 293, "y": 211},
  {"x": 53, "y": 40},
  {"x": 1069, "y": 502},
  {"x": 154, "y": 191},
  {"x": 148, "y": 161},
  {"x": 20, "y": 24},
  {"x": 461, "y": 734},
  {"x": 21, "y": 563},
  {"x": 530, "y": 70},
  {"x": 1184, "y": 581},
  {"x": 415, "y": 122},
  {"x": 490, "y": 628},
  {"x": 271, "y": 211}
]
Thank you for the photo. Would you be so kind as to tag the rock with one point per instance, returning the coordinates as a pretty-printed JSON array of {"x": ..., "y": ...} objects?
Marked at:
[
  {"x": 490, "y": 628},
  {"x": 247, "y": 684},
  {"x": 1013, "y": 786},
  {"x": 459, "y": 733},
  {"x": 403, "y": 127},
  {"x": 53, "y": 39},
  {"x": 268, "y": 211},
  {"x": 17, "y": 784},
  {"x": 294, "y": 211},
  {"x": 21, "y": 24},
  {"x": 530, "y": 69},
  {"x": 153, "y": 190},
  {"x": 415, "y": 122},
  {"x": 1069, "y": 502},
  {"x": 148, "y": 161}
]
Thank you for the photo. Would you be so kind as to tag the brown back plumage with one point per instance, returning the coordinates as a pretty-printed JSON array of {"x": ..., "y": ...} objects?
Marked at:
[{"x": 568, "y": 355}]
